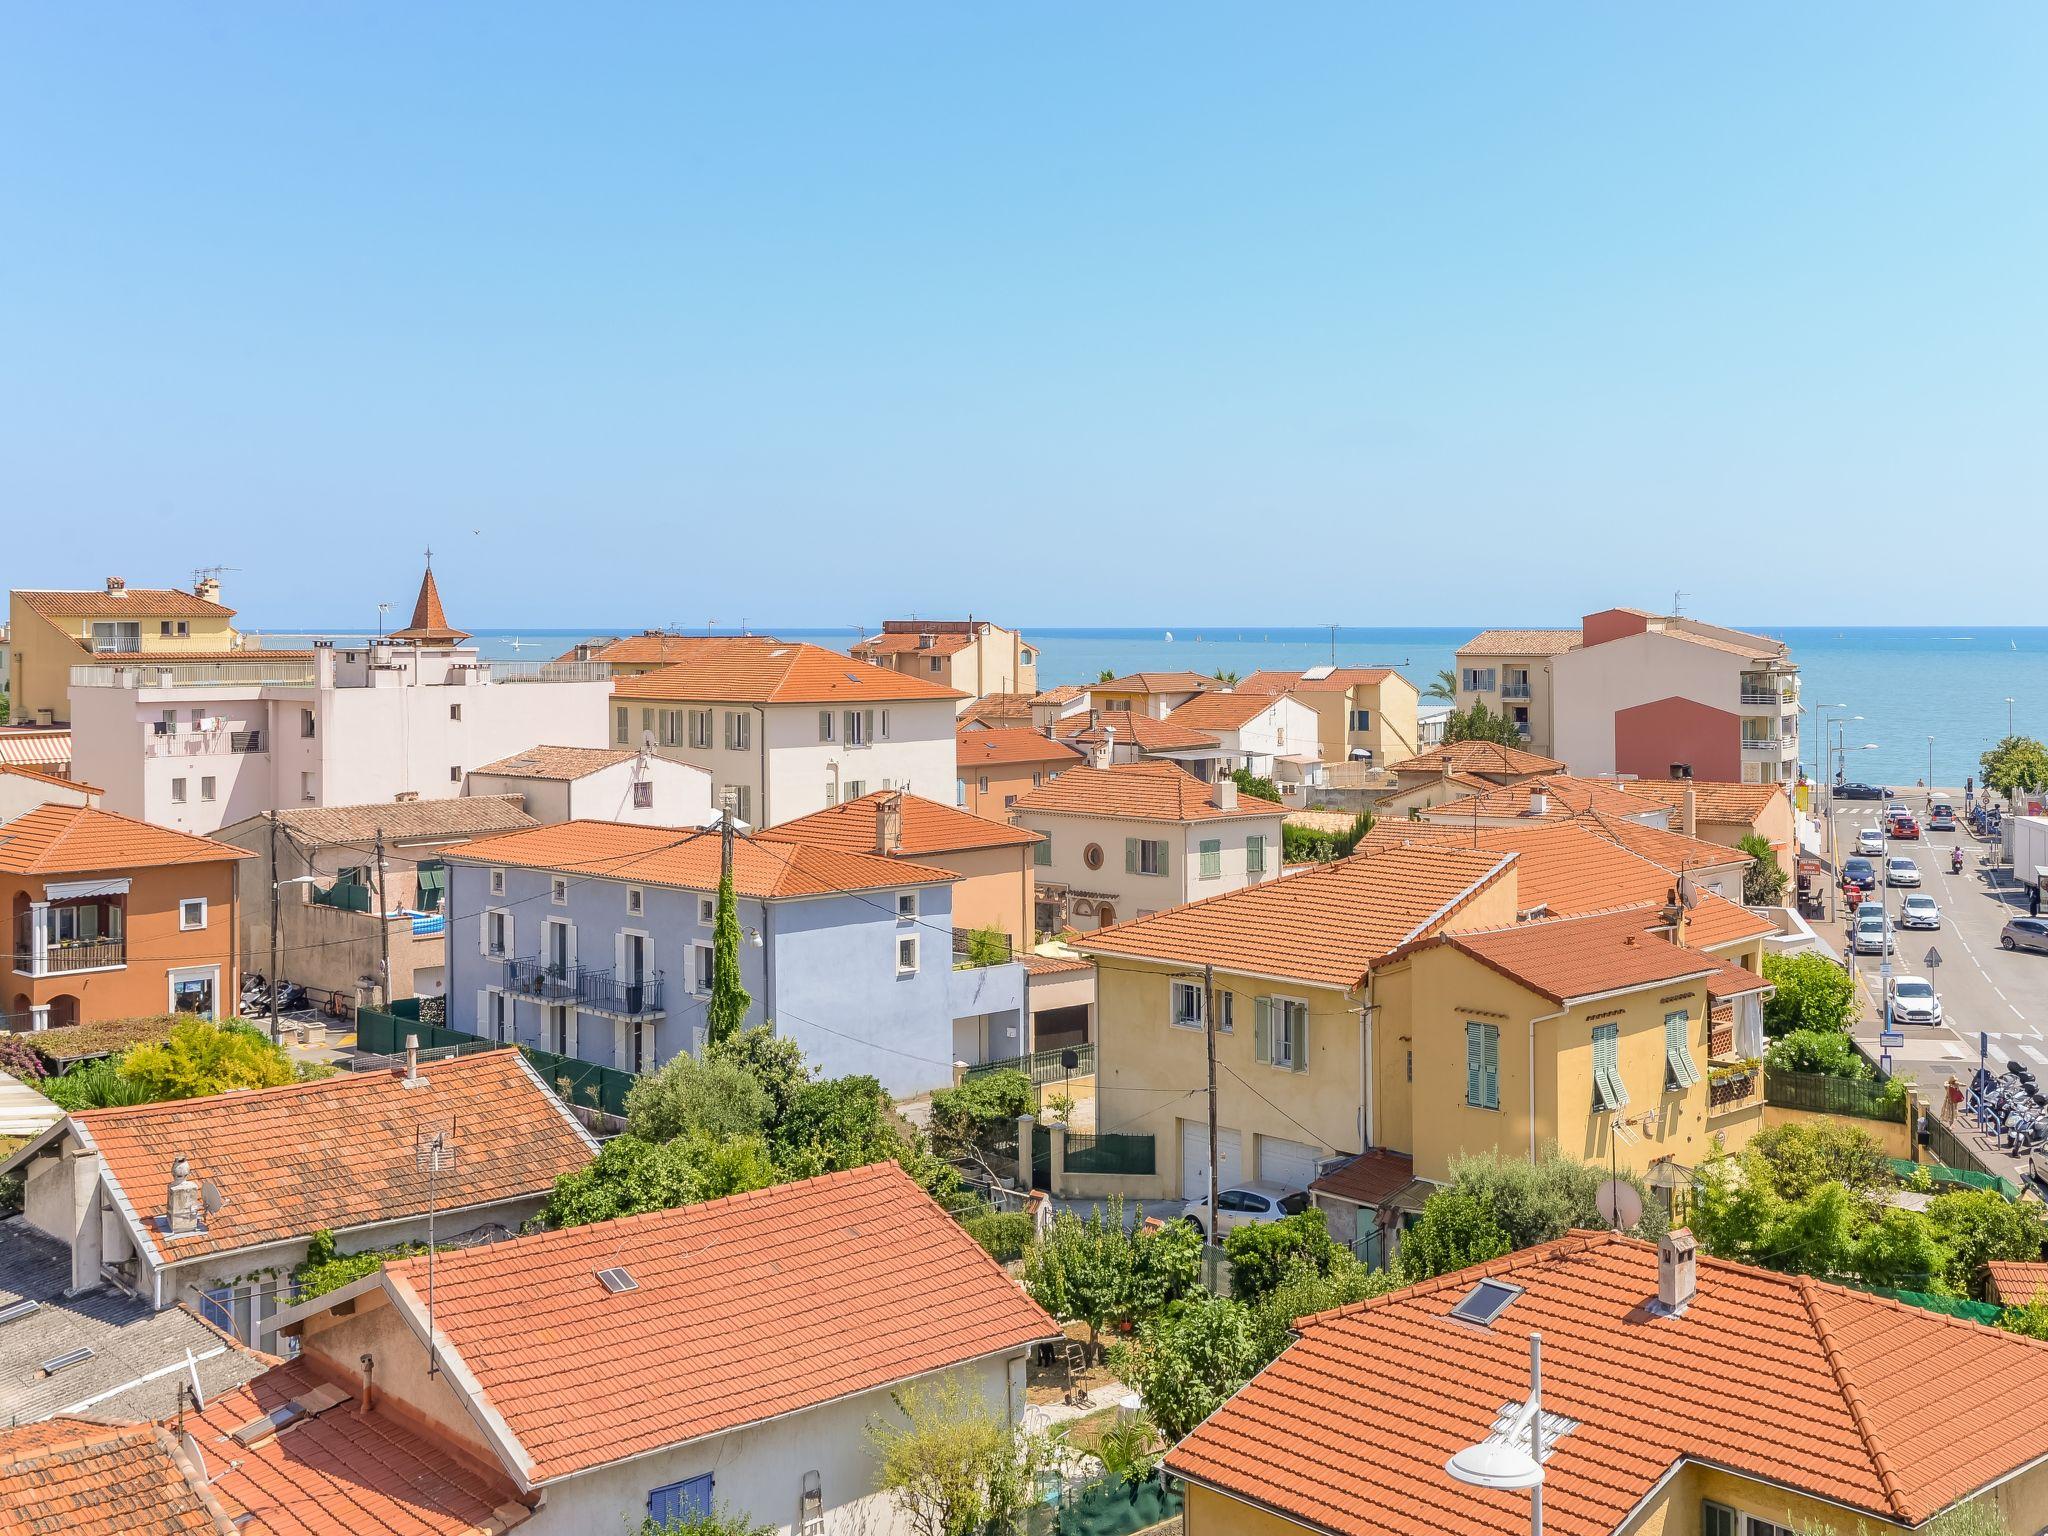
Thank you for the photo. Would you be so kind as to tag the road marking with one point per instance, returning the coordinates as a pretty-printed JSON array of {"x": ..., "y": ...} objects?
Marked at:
[
  {"x": 1953, "y": 1051},
  {"x": 1999, "y": 1054},
  {"x": 2034, "y": 1055},
  {"x": 2002, "y": 997}
]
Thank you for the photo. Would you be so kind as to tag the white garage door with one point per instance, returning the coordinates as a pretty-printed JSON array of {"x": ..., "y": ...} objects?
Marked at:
[
  {"x": 1292, "y": 1163},
  {"x": 1194, "y": 1159}
]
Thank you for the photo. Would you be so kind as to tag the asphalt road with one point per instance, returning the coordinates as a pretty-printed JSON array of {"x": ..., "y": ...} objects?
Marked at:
[{"x": 1983, "y": 989}]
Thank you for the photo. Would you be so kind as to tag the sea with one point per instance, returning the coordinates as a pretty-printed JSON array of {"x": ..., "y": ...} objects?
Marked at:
[{"x": 1913, "y": 705}]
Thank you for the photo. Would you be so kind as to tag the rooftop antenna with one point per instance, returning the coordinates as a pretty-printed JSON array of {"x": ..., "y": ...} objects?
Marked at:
[
  {"x": 210, "y": 573},
  {"x": 1677, "y": 604},
  {"x": 1333, "y": 645},
  {"x": 433, "y": 1150},
  {"x": 382, "y": 609}
]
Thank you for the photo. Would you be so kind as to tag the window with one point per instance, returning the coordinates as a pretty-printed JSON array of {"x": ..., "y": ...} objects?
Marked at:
[
  {"x": 1212, "y": 858},
  {"x": 700, "y": 728},
  {"x": 742, "y": 803},
  {"x": 192, "y": 912},
  {"x": 1476, "y": 680},
  {"x": 643, "y": 795},
  {"x": 824, "y": 725},
  {"x": 701, "y": 958},
  {"x": 164, "y": 629},
  {"x": 1037, "y": 778},
  {"x": 677, "y": 1503},
  {"x": 558, "y": 890},
  {"x": 622, "y": 725},
  {"x": 306, "y": 791},
  {"x": 495, "y": 1016},
  {"x": 906, "y": 955},
  {"x": 1482, "y": 1066},
  {"x": 1282, "y": 1033},
  {"x": 636, "y": 901},
  {"x": 860, "y": 727},
  {"x": 935, "y": 664},
  {"x": 1144, "y": 856},
  {"x": 982, "y": 784},
  {"x": 497, "y": 882},
  {"x": 206, "y": 784},
  {"x": 497, "y": 933},
  {"x": 853, "y": 789},
  {"x": 906, "y": 906},
  {"x": 1226, "y": 1011},
  {"x": 1041, "y": 852},
  {"x": 1255, "y": 855},
  {"x": 455, "y": 774},
  {"x": 1361, "y": 719},
  {"x": 1092, "y": 855},
  {"x": 454, "y": 711},
  {"x": 1609, "y": 1092},
  {"x": 117, "y": 637},
  {"x": 671, "y": 728},
  {"x": 177, "y": 791},
  {"x": 707, "y": 911},
  {"x": 1187, "y": 1004},
  {"x": 739, "y": 730},
  {"x": 1755, "y": 1527},
  {"x": 1679, "y": 1071},
  {"x": 1008, "y": 801},
  {"x": 561, "y": 1039},
  {"x": 885, "y": 725},
  {"x": 1716, "y": 1519}
]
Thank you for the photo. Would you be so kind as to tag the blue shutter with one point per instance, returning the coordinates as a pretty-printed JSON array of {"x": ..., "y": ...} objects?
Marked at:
[
  {"x": 1474, "y": 1052},
  {"x": 674, "y": 1502},
  {"x": 1491, "y": 1038}
]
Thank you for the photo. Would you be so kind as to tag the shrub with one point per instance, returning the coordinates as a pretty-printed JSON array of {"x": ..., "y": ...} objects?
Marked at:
[
  {"x": 1187, "y": 1361},
  {"x": 1536, "y": 1202},
  {"x": 323, "y": 1270},
  {"x": 19, "y": 1060},
  {"x": 1823, "y": 1052},
  {"x": 1803, "y": 1156},
  {"x": 968, "y": 1120},
  {"x": 952, "y": 1466},
  {"x": 1254, "y": 786},
  {"x": 202, "y": 1058},
  {"x": 94, "y": 1085},
  {"x": 1813, "y": 992},
  {"x": 988, "y": 946},
  {"x": 715, "y": 1096},
  {"x": 1262, "y": 1253},
  {"x": 1764, "y": 881},
  {"x": 1303, "y": 1292},
  {"x": 1455, "y": 1230},
  {"x": 1006, "y": 1235}
]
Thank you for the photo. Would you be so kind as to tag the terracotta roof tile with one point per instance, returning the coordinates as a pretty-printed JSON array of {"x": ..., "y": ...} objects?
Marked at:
[
  {"x": 1224, "y": 709},
  {"x": 745, "y": 1308},
  {"x": 1156, "y": 682},
  {"x": 1141, "y": 731},
  {"x": 429, "y": 622},
  {"x": 87, "y": 1479},
  {"x": 655, "y": 647},
  {"x": 1673, "y": 850},
  {"x": 1520, "y": 642},
  {"x": 1369, "y": 1179},
  {"x": 928, "y": 827},
  {"x": 1492, "y": 759},
  {"x": 131, "y": 603},
  {"x": 69, "y": 839},
  {"x": 1847, "y": 1397},
  {"x": 1065, "y": 693},
  {"x": 999, "y": 710},
  {"x": 1327, "y": 680},
  {"x": 760, "y": 671},
  {"x": 558, "y": 762},
  {"x": 465, "y": 816},
  {"x": 984, "y": 746},
  {"x": 1144, "y": 791},
  {"x": 1328, "y": 924},
  {"x": 2015, "y": 1281},
  {"x": 1714, "y": 800},
  {"x": 36, "y": 775},
  {"x": 912, "y": 644},
  {"x": 763, "y": 868},
  {"x": 1055, "y": 965},
  {"x": 340, "y": 1152},
  {"x": 1565, "y": 796},
  {"x": 1567, "y": 958}
]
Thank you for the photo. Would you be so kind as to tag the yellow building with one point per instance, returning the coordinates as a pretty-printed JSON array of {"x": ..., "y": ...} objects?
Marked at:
[
  {"x": 978, "y": 658},
  {"x": 1681, "y": 1396},
  {"x": 52, "y": 632},
  {"x": 1157, "y": 694},
  {"x": 1358, "y": 709}
]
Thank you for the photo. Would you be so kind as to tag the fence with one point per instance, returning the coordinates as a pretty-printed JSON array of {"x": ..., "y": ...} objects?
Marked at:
[
  {"x": 1870, "y": 1100},
  {"x": 1950, "y": 1306},
  {"x": 581, "y": 1083},
  {"x": 1111, "y": 1152},
  {"x": 1956, "y": 1158},
  {"x": 1043, "y": 1066}
]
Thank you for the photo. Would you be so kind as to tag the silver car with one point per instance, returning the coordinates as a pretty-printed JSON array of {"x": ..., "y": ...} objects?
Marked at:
[
  {"x": 1872, "y": 936},
  {"x": 2026, "y": 933},
  {"x": 1919, "y": 911},
  {"x": 1901, "y": 872},
  {"x": 1254, "y": 1202}
]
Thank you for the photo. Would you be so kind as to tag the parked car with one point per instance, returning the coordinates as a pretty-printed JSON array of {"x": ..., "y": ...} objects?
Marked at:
[
  {"x": 1913, "y": 1001},
  {"x": 1873, "y": 935},
  {"x": 1861, "y": 792},
  {"x": 1941, "y": 817},
  {"x": 1919, "y": 911},
  {"x": 1901, "y": 871},
  {"x": 1905, "y": 826},
  {"x": 2025, "y": 933},
  {"x": 1241, "y": 1203},
  {"x": 1859, "y": 871}
]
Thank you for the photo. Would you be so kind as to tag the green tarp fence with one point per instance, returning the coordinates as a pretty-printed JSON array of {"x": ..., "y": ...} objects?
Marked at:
[
  {"x": 1951, "y": 1306},
  {"x": 1965, "y": 1178},
  {"x": 582, "y": 1083},
  {"x": 1117, "y": 1508}
]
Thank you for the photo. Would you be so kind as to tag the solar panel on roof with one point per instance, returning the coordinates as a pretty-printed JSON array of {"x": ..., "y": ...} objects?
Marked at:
[{"x": 1487, "y": 1301}]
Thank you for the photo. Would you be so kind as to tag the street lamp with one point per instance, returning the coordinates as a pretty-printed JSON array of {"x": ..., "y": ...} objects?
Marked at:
[
  {"x": 1505, "y": 1461},
  {"x": 2008, "y": 717}
]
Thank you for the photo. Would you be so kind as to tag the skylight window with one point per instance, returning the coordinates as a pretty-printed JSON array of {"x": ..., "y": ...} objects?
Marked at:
[
  {"x": 13, "y": 1312},
  {"x": 617, "y": 1280},
  {"x": 1486, "y": 1302},
  {"x": 74, "y": 1357}
]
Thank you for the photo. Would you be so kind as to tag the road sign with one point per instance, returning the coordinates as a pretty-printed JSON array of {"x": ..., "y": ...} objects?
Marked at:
[
  {"x": 1933, "y": 958},
  {"x": 1983, "y": 1046},
  {"x": 1889, "y": 1038},
  {"x": 1884, "y": 1063}
]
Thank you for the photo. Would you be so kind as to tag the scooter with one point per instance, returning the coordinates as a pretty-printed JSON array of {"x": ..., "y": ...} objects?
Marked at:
[{"x": 1955, "y": 861}]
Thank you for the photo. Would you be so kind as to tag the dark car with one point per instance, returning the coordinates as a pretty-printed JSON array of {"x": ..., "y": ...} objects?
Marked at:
[
  {"x": 1861, "y": 792},
  {"x": 1859, "y": 871}
]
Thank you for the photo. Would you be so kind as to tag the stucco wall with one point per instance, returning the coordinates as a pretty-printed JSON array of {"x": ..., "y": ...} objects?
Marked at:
[
  {"x": 1134, "y": 894},
  {"x": 1650, "y": 737},
  {"x": 1594, "y": 682}
]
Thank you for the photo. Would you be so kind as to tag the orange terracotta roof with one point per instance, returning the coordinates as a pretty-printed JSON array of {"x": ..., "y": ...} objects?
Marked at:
[
  {"x": 1471, "y": 783},
  {"x": 72, "y": 839},
  {"x": 1054, "y": 965},
  {"x": 928, "y": 827},
  {"x": 1569, "y": 958},
  {"x": 911, "y": 644},
  {"x": 1329, "y": 681},
  {"x": 132, "y": 602},
  {"x": 1156, "y": 682},
  {"x": 2014, "y": 1282},
  {"x": 1566, "y": 796},
  {"x": 1493, "y": 759},
  {"x": 762, "y": 671},
  {"x": 1141, "y": 731},
  {"x": 1328, "y": 924},
  {"x": 655, "y": 647},
  {"x": 1732, "y": 980},
  {"x": 338, "y": 1153},
  {"x": 36, "y": 775},
  {"x": 1066, "y": 693},
  {"x": 1369, "y": 1179},
  {"x": 558, "y": 762},
  {"x": 1714, "y": 800},
  {"x": 1144, "y": 791},
  {"x": 996, "y": 745},
  {"x": 762, "y": 868},
  {"x": 999, "y": 710},
  {"x": 1520, "y": 642},
  {"x": 1224, "y": 710},
  {"x": 1673, "y": 850},
  {"x": 343, "y": 1472},
  {"x": 429, "y": 622},
  {"x": 1887, "y": 1409},
  {"x": 87, "y": 1479},
  {"x": 745, "y": 1308}
]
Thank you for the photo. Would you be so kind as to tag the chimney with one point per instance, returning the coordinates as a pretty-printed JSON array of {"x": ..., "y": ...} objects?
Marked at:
[
  {"x": 1677, "y": 1271},
  {"x": 117, "y": 587},
  {"x": 207, "y": 589},
  {"x": 184, "y": 1198},
  {"x": 368, "y": 1399},
  {"x": 1226, "y": 794},
  {"x": 1691, "y": 824},
  {"x": 889, "y": 823},
  {"x": 412, "y": 1061},
  {"x": 1539, "y": 802},
  {"x": 583, "y": 650},
  {"x": 1105, "y": 750}
]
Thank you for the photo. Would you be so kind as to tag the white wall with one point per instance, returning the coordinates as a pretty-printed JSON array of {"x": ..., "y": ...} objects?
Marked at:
[
  {"x": 681, "y": 797},
  {"x": 1132, "y": 894},
  {"x": 1592, "y": 683},
  {"x": 920, "y": 754}
]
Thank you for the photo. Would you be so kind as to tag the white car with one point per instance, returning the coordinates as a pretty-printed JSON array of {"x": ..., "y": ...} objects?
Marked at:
[
  {"x": 1870, "y": 843},
  {"x": 1900, "y": 871},
  {"x": 1241, "y": 1203},
  {"x": 1919, "y": 911},
  {"x": 1912, "y": 1001},
  {"x": 1872, "y": 935}
]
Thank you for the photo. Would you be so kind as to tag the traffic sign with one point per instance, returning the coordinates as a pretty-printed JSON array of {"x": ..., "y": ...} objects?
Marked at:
[
  {"x": 1884, "y": 1063},
  {"x": 1933, "y": 958},
  {"x": 1889, "y": 1038}
]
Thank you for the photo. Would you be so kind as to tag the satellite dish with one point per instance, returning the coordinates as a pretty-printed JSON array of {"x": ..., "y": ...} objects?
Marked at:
[
  {"x": 1688, "y": 897},
  {"x": 1619, "y": 1204},
  {"x": 647, "y": 743},
  {"x": 210, "y": 1196}
]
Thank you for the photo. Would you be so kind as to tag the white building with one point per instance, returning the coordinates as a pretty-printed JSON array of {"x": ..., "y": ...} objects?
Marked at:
[
  {"x": 198, "y": 745},
  {"x": 600, "y": 784},
  {"x": 1273, "y": 735}
]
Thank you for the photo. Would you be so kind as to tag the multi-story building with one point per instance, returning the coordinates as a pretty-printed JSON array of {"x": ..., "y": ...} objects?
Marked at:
[
  {"x": 791, "y": 728},
  {"x": 1157, "y": 694},
  {"x": 1134, "y": 839},
  {"x": 648, "y": 651},
  {"x": 971, "y": 655},
  {"x": 1272, "y": 735},
  {"x": 998, "y": 765},
  {"x": 1117, "y": 736},
  {"x": 1362, "y": 713},
  {"x": 113, "y": 918},
  {"x": 49, "y": 633},
  {"x": 200, "y": 744},
  {"x": 1509, "y": 671},
  {"x": 600, "y": 784}
]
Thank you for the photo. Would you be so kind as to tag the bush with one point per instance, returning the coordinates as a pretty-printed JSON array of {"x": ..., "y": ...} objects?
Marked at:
[
  {"x": 715, "y": 1096},
  {"x": 1537, "y": 1202},
  {"x": 323, "y": 1270},
  {"x": 1764, "y": 881},
  {"x": 1455, "y": 1230},
  {"x": 1305, "y": 845},
  {"x": 968, "y": 1120},
  {"x": 202, "y": 1058},
  {"x": 987, "y": 946},
  {"x": 1823, "y": 1052},
  {"x": 1302, "y": 1292},
  {"x": 19, "y": 1060},
  {"x": 1263, "y": 1253},
  {"x": 1255, "y": 786},
  {"x": 1813, "y": 993},
  {"x": 1101, "y": 1270},
  {"x": 1185, "y": 1363},
  {"x": 94, "y": 1085},
  {"x": 1006, "y": 1235},
  {"x": 1803, "y": 1156},
  {"x": 632, "y": 1175}
]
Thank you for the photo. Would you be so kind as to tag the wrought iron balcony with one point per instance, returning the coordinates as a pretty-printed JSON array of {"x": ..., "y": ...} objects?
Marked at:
[{"x": 585, "y": 986}]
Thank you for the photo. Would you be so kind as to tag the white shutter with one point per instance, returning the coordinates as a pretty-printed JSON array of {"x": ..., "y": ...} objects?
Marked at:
[
  {"x": 482, "y": 1025},
  {"x": 483, "y": 932},
  {"x": 511, "y": 944},
  {"x": 619, "y": 954}
]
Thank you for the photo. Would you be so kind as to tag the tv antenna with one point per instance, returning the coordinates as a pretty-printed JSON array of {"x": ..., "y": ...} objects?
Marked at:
[
  {"x": 433, "y": 1153},
  {"x": 1677, "y": 603},
  {"x": 210, "y": 573}
]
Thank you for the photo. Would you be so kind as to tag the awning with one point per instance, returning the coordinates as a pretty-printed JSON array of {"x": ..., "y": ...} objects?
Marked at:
[{"x": 74, "y": 890}]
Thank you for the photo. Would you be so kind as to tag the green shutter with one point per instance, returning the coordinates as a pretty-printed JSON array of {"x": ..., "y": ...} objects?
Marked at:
[
  {"x": 1162, "y": 857},
  {"x": 1041, "y": 853},
  {"x": 1255, "y": 855},
  {"x": 1491, "y": 1038},
  {"x": 1474, "y": 1063},
  {"x": 1301, "y": 1041},
  {"x": 1262, "y": 1032},
  {"x": 1212, "y": 858},
  {"x": 1130, "y": 855},
  {"x": 1677, "y": 1052},
  {"x": 1609, "y": 1092}
]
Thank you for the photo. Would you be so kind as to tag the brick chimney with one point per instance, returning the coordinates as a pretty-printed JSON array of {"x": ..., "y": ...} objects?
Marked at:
[
  {"x": 117, "y": 586},
  {"x": 1677, "y": 1271},
  {"x": 889, "y": 823},
  {"x": 183, "y": 1204}
]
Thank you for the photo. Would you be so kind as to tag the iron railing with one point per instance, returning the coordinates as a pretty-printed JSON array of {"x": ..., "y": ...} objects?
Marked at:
[
  {"x": 1043, "y": 1066},
  {"x": 1865, "y": 1098},
  {"x": 1515, "y": 690},
  {"x": 585, "y": 985},
  {"x": 581, "y": 1083}
]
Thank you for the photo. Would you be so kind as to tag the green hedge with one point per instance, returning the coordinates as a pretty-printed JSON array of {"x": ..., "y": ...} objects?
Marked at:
[{"x": 1006, "y": 1235}]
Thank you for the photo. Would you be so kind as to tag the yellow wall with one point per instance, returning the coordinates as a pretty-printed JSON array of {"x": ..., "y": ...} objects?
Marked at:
[
  {"x": 45, "y": 651},
  {"x": 996, "y": 887},
  {"x": 1676, "y": 1510},
  {"x": 1217, "y": 1514},
  {"x": 1393, "y": 704}
]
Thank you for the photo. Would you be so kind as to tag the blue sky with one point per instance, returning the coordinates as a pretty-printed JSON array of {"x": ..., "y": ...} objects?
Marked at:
[{"x": 1063, "y": 314}]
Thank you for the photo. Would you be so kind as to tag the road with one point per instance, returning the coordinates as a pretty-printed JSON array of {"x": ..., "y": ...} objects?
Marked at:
[{"x": 1983, "y": 988}]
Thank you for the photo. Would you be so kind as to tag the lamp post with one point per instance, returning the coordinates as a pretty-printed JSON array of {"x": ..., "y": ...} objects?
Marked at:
[
  {"x": 1930, "y": 773},
  {"x": 1507, "y": 1462},
  {"x": 2008, "y": 717}
]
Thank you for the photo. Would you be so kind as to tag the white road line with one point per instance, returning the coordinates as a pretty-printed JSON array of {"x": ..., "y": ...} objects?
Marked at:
[
  {"x": 2001, "y": 996},
  {"x": 1953, "y": 1051},
  {"x": 2000, "y": 1054},
  {"x": 2034, "y": 1055},
  {"x": 2016, "y": 1012}
]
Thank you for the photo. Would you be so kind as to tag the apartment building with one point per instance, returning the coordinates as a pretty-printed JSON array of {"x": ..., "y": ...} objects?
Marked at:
[
  {"x": 1366, "y": 714},
  {"x": 1509, "y": 671},
  {"x": 198, "y": 744},
  {"x": 1272, "y": 735},
  {"x": 791, "y": 728},
  {"x": 49, "y": 633},
  {"x": 972, "y": 656},
  {"x": 1157, "y": 694},
  {"x": 600, "y": 784}
]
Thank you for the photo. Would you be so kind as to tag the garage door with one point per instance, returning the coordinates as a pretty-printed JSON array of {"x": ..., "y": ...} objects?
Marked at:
[
  {"x": 1194, "y": 1159},
  {"x": 1292, "y": 1163}
]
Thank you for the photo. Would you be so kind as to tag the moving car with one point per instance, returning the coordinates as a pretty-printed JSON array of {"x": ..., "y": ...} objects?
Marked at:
[
  {"x": 1901, "y": 871},
  {"x": 2025, "y": 933},
  {"x": 1913, "y": 1001},
  {"x": 1919, "y": 911},
  {"x": 1861, "y": 792},
  {"x": 1941, "y": 817},
  {"x": 1861, "y": 872},
  {"x": 1872, "y": 935},
  {"x": 1871, "y": 841},
  {"x": 1905, "y": 826},
  {"x": 1242, "y": 1203}
]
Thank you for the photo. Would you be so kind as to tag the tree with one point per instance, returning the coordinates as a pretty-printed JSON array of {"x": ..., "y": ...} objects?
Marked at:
[
  {"x": 720, "y": 1522},
  {"x": 2030, "y": 1319},
  {"x": 1481, "y": 724},
  {"x": 1105, "y": 676},
  {"x": 951, "y": 1465},
  {"x": 1797, "y": 1159},
  {"x": 1764, "y": 881},
  {"x": 968, "y": 1122},
  {"x": 1973, "y": 1226},
  {"x": 715, "y": 1095},
  {"x": 1455, "y": 1230},
  {"x": 1084, "y": 1269},
  {"x": 987, "y": 945},
  {"x": 1813, "y": 992},
  {"x": 1185, "y": 1362},
  {"x": 2015, "y": 766},
  {"x": 774, "y": 1061},
  {"x": 1254, "y": 786},
  {"x": 1263, "y": 1254},
  {"x": 1540, "y": 1201},
  {"x": 1227, "y": 679},
  {"x": 1302, "y": 1292},
  {"x": 1822, "y": 1052},
  {"x": 726, "y": 1014},
  {"x": 631, "y": 1175},
  {"x": 202, "y": 1057},
  {"x": 1444, "y": 686}
]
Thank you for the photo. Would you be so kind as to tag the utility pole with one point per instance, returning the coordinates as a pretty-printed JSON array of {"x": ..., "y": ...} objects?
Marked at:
[
  {"x": 276, "y": 875},
  {"x": 726, "y": 800},
  {"x": 383, "y": 931},
  {"x": 1209, "y": 1041}
]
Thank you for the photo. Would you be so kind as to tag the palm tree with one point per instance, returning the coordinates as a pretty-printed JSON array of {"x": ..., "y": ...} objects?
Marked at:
[
  {"x": 1445, "y": 687},
  {"x": 1227, "y": 679}
]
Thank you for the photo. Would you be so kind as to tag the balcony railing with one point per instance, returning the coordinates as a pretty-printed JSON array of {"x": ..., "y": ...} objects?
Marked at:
[
  {"x": 1769, "y": 696},
  {"x": 1763, "y": 746},
  {"x": 547, "y": 671},
  {"x": 160, "y": 741},
  {"x": 585, "y": 986},
  {"x": 61, "y": 959},
  {"x": 171, "y": 673},
  {"x": 1514, "y": 690},
  {"x": 1732, "y": 1090}
]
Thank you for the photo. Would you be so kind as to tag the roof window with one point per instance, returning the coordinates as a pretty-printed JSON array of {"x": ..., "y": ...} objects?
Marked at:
[
  {"x": 1487, "y": 1301},
  {"x": 617, "y": 1280}
]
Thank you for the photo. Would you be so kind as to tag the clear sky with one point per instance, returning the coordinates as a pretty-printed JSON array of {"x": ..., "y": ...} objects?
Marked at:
[{"x": 1062, "y": 314}]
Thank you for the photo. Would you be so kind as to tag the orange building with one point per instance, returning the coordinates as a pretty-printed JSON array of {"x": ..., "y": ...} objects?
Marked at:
[
  {"x": 998, "y": 764},
  {"x": 114, "y": 918}
]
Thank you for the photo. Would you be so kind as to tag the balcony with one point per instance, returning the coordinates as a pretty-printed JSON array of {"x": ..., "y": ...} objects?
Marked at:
[
  {"x": 1730, "y": 1089},
  {"x": 284, "y": 671},
  {"x": 64, "y": 957},
  {"x": 160, "y": 739},
  {"x": 585, "y": 987},
  {"x": 1764, "y": 746},
  {"x": 1514, "y": 690}
]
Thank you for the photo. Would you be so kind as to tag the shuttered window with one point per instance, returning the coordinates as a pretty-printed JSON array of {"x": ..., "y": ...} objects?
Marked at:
[
  {"x": 1212, "y": 858},
  {"x": 1280, "y": 1033},
  {"x": 1678, "y": 1062},
  {"x": 1482, "y": 1066},
  {"x": 1255, "y": 855},
  {"x": 1608, "y": 1089},
  {"x": 1041, "y": 852},
  {"x": 1144, "y": 856}
]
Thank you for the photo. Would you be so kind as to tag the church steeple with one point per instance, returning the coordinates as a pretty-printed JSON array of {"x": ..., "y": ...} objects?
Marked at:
[{"x": 429, "y": 624}]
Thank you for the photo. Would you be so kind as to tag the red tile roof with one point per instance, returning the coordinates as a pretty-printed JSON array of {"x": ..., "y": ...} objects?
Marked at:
[
  {"x": 1673, "y": 850},
  {"x": 745, "y": 1308},
  {"x": 86, "y": 1479},
  {"x": 36, "y": 775},
  {"x": 762, "y": 671},
  {"x": 1140, "y": 731},
  {"x": 73, "y": 839},
  {"x": 911, "y": 644},
  {"x": 999, "y": 710},
  {"x": 1520, "y": 642},
  {"x": 655, "y": 647},
  {"x": 558, "y": 762},
  {"x": 130, "y": 603},
  {"x": 429, "y": 623},
  {"x": 1369, "y": 1179},
  {"x": 764, "y": 868},
  {"x": 928, "y": 827},
  {"x": 2014, "y": 1281},
  {"x": 1224, "y": 709},
  {"x": 1156, "y": 682},
  {"x": 1715, "y": 800},
  {"x": 338, "y": 1153},
  {"x": 1565, "y": 795},
  {"x": 1492, "y": 759},
  {"x": 1143, "y": 791},
  {"x": 997, "y": 745},
  {"x": 1569, "y": 958},
  {"x": 1328, "y": 924},
  {"x": 1887, "y": 1409},
  {"x": 1328, "y": 680}
]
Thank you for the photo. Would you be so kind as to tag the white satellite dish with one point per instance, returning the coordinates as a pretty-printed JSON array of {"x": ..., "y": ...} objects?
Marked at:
[
  {"x": 211, "y": 1197},
  {"x": 1620, "y": 1206},
  {"x": 647, "y": 743}
]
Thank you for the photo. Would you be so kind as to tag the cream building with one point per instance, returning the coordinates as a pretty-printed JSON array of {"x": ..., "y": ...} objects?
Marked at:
[
  {"x": 49, "y": 633},
  {"x": 972, "y": 655}
]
